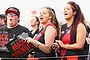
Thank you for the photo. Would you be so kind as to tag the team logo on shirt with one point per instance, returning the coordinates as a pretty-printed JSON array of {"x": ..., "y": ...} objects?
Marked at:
[{"x": 68, "y": 31}]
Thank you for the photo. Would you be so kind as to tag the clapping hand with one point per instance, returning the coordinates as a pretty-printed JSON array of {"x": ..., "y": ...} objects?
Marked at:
[
  {"x": 55, "y": 46},
  {"x": 28, "y": 39}
]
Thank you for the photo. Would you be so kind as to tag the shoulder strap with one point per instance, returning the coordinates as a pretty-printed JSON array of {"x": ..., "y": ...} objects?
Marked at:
[{"x": 42, "y": 32}]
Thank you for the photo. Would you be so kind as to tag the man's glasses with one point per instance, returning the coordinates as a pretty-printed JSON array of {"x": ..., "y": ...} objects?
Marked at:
[{"x": 11, "y": 15}]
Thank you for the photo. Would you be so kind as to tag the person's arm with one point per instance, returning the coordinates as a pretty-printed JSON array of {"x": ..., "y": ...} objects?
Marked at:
[
  {"x": 80, "y": 39},
  {"x": 49, "y": 37}
]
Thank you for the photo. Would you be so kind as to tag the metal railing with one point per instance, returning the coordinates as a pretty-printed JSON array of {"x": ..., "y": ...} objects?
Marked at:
[{"x": 56, "y": 58}]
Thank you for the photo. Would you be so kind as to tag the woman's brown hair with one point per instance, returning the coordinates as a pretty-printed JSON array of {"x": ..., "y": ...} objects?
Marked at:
[{"x": 78, "y": 18}]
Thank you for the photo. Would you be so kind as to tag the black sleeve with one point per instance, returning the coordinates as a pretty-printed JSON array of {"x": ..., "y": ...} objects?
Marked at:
[
  {"x": 26, "y": 30},
  {"x": 29, "y": 32}
]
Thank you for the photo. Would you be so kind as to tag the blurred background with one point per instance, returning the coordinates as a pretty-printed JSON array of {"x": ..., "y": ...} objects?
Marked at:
[{"x": 31, "y": 7}]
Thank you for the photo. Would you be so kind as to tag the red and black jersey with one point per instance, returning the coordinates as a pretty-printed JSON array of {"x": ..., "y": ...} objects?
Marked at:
[{"x": 66, "y": 39}]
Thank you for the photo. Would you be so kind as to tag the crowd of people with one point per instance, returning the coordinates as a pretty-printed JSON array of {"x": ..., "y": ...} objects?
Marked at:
[
  {"x": 48, "y": 38},
  {"x": 2, "y": 20}
]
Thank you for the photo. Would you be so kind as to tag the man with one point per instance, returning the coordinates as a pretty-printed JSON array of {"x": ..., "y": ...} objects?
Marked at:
[
  {"x": 2, "y": 20},
  {"x": 11, "y": 30}
]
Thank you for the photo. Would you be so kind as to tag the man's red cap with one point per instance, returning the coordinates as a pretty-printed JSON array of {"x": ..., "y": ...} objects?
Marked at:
[{"x": 13, "y": 10}]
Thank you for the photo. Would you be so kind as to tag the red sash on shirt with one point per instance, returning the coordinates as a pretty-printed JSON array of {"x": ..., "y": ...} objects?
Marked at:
[
  {"x": 66, "y": 40},
  {"x": 42, "y": 32}
]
